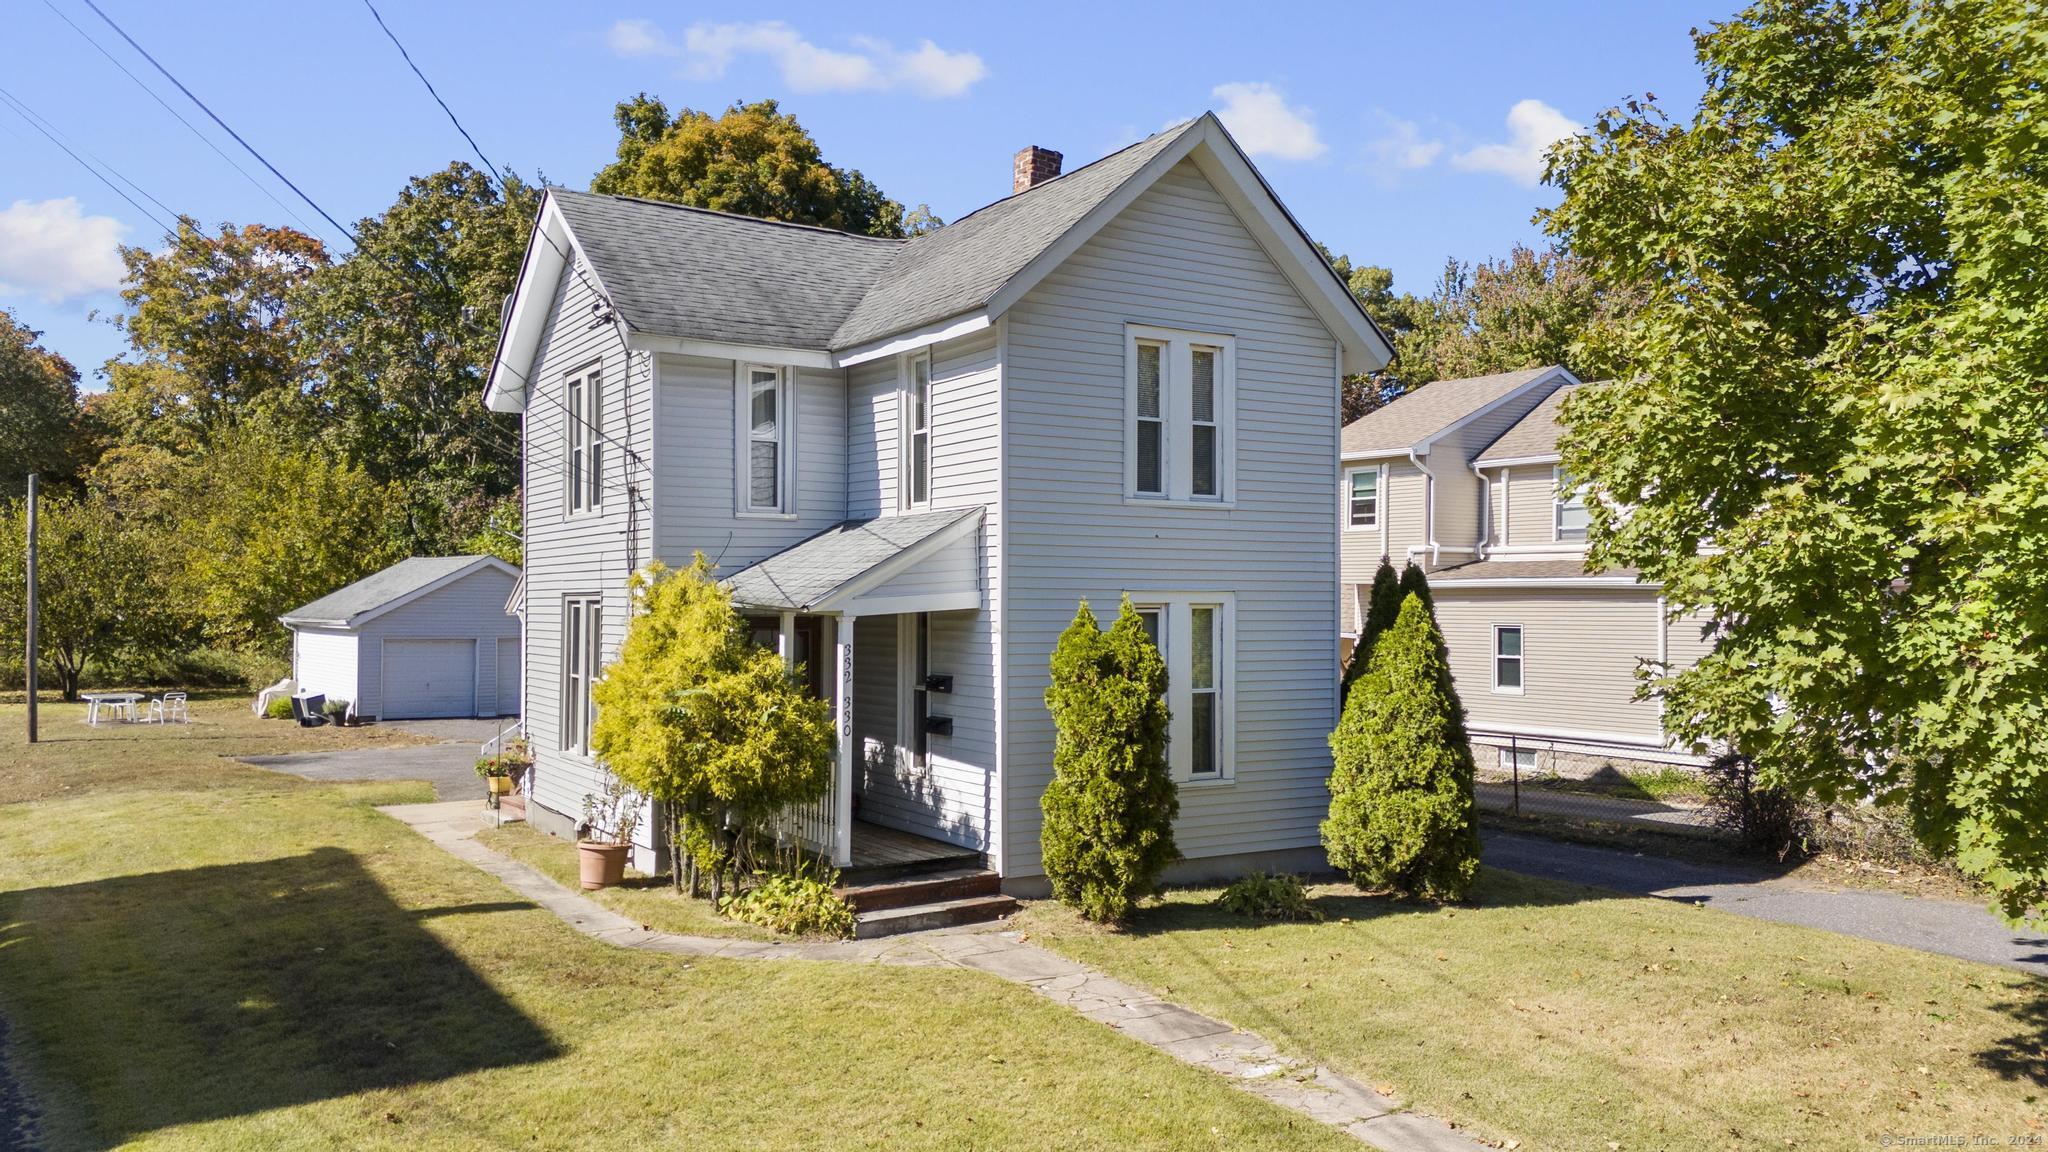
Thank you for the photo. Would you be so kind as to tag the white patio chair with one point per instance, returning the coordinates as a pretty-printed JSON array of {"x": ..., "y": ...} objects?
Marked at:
[{"x": 170, "y": 708}]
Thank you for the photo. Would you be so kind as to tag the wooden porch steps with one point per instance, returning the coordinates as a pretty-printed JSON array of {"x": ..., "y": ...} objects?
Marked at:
[{"x": 920, "y": 902}]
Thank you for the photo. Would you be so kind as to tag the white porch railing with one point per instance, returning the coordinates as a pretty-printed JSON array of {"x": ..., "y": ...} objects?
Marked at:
[{"x": 811, "y": 825}]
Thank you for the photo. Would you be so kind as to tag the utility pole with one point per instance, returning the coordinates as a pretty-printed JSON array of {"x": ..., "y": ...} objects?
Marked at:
[{"x": 31, "y": 607}]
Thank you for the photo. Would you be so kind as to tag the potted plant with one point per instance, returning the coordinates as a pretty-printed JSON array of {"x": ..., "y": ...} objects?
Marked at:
[
  {"x": 337, "y": 712},
  {"x": 606, "y": 836},
  {"x": 497, "y": 774}
]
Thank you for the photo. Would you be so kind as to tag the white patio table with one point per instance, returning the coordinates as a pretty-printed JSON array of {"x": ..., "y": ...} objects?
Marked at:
[{"x": 121, "y": 704}]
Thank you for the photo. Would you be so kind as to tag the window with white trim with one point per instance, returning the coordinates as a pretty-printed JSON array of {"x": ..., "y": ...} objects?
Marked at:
[
  {"x": 763, "y": 406},
  {"x": 1362, "y": 505},
  {"x": 1507, "y": 658},
  {"x": 583, "y": 444},
  {"x": 582, "y": 638},
  {"x": 917, "y": 431},
  {"x": 1568, "y": 504},
  {"x": 1193, "y": 634},
  {"x": 1180, "y": 415}
]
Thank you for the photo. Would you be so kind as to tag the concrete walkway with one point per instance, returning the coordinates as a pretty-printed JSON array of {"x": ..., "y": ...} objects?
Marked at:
[
  {"x": 1944, "y": 927},
  {"x": 1251, "y": 1064}
]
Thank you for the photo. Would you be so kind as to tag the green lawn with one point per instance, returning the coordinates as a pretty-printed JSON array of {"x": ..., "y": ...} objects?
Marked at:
[
  {"x": 1570, "y": 1018},
  {"x": 196, "y": 954}
]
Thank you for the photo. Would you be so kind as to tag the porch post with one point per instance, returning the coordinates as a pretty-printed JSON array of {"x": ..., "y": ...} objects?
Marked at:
[
  {"x": 842, "y": 777},
  {"x": 785, "y": 640}
]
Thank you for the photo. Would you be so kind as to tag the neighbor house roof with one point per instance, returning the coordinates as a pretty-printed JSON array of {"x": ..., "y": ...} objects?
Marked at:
[
  {"x": 832, "y": 566},
  {"x": 381, "y": 591},
  {"x": 740, "y": 286},
  {"x": 1412, "y": 419},
  {"x": 1533, "y": 437},
  {"x": 1516, "y": 571}
]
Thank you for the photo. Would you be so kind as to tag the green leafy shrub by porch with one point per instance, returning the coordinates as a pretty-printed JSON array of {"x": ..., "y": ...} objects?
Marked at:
[
  {"x": 1268, "y": 896},
  {"x": 792, "y": 905},
  {"x": 1401, "y": 806},
  {"x": 1382, "y": 607},
  {"x": 711, "y": 727},
  {"x": 279, "y": 708},
  {"x": 1109, "y": 811}
]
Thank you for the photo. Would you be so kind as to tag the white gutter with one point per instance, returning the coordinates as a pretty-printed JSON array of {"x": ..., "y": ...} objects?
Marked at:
[
  {"x": 1428, "y": 510},
  {"x": 1485, "y": 510}
]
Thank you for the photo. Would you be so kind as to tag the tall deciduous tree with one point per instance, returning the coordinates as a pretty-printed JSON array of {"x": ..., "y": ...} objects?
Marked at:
[
  {"x": 399, "y": 337},
  {"x": 97, "y": 591},
  {"x": 753, "y": 159},
  {"x": 40, "y": 418},
  {"x": 1839, "y": 385}
]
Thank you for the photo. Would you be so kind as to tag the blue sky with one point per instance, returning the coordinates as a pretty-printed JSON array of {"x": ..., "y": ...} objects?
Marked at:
[{"x": 1398, "y": 133}]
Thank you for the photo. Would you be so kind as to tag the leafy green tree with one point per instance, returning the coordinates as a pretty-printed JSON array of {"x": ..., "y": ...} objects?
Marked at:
[
  {"x": 494, "y": 528},
  {"x": 1382, "y": 608},
  {"x": 1525, "y": 310},
  {"x": 1109, "y": 811},
  {"x": 1838, "y": 385},
  {"x": 97, "y": 592},
  {"x": 753, "y": 159},
  {"x": 212, "y": 331},
  {"x": 1402, "y": 815},
  {"x": 717, "y": 731},
  {"x": 40, "y": 417}
]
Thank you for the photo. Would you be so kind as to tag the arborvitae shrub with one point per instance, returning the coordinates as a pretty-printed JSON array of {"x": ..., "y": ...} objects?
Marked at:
[
  {"x": 1381, "y": 607},
  {"x": 1109, "y": 811},
  {"x": 1401, "y": 808}
]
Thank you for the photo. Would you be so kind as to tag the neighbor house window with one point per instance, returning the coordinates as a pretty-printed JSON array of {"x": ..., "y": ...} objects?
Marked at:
[
  {"x": 582, "y": 634},
  {"x": 764, "y": 439},
  {"x": 1570, "y": 503},
  {"x": 583, "y": 449},
  {"x": 1517, "y": 759},
  {"x": 1363, "y": 505},
  {"x": 917, "y": 431},
  {"x": 1192, "y": 634},
  {"x": 1180, "y": 408},
  {"x": 1507, "y": 658}
]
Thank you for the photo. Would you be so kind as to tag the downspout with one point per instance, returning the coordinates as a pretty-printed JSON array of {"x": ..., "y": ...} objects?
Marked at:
[
  {"x": 1428, "y": 510},
  {"x": 1485, "y": 511}
]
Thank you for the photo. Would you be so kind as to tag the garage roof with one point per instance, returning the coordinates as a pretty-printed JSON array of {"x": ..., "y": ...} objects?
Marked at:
[{"x": 377, "y": 594}]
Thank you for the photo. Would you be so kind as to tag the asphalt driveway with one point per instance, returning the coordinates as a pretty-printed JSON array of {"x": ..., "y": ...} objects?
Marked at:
[{"x": 449, "y": 766}]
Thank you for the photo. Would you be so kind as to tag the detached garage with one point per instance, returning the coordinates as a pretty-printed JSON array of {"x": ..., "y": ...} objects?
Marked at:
[{"x": 427, "y": 637}]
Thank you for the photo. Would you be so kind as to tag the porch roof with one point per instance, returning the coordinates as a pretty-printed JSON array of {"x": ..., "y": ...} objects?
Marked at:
[{"x": 857, "y": 564}]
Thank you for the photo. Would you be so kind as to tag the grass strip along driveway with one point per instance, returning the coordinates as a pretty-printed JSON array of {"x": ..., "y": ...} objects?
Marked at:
[
  {"x": 196, "y": 953},
  {"x": 1568, "y": 1017}
]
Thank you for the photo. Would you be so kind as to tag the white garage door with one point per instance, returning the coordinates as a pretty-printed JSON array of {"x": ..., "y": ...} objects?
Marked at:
[
  {"x": 428, "y": 678},
  {"x": 508, "y": 677}
]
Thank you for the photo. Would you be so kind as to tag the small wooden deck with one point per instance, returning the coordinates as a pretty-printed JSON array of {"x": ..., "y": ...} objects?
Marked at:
[{"x": 877, "y": 847}]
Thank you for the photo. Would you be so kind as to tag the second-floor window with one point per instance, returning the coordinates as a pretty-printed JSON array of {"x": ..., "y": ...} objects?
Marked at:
[
  {"x": 763, "y": 403},
  {"x": 1569, "y": 507},
  {"x": 1363, "y": 504},
  {"x": 917, "y": 431},
  {"x": 583, "y": 443},
  {"x": 1180, "y": 415}
]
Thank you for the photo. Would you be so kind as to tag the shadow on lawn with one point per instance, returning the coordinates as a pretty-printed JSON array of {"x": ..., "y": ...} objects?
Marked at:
[
  {"x": 177, "y": 997},
  {"x": 2023, "y": 1055}
]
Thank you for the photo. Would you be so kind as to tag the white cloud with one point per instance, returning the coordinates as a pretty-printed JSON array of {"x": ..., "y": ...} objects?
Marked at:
[
  {"x": 53, "y": 250},
  {"x": 707, "y": 50},
  {"x": 1401, "y": 144},
  {"x": 1259, "y": 117},
  {"x": 1533, "y": 127}
]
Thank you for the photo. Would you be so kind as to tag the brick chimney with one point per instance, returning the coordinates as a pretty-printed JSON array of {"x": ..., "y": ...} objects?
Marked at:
[{"x": 1034, "y": 166}]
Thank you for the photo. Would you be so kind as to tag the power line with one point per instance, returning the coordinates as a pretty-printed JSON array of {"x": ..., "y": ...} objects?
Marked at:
[
  {"x": 36, "y": 122},
  {"x": 177, "y": 115},
  {"x": 488, "y": 166},
  {"x": 223, "y": 124}
]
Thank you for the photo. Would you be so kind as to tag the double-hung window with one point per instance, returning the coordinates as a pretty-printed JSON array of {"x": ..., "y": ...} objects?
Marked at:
[
  {"x": 1569, "y": 504},
  {"x": 1180, "y": 415},
  {"x": 917, "y": 431},
  {"x": 582, "y": 636},
  {"x": 1193, "y": 634},
  {"x": 583, "y": 442},
  {"x": 762, "y": 401},
  {"x": 1507, "y": 658},
  {"x": 1362, "y": 504}
]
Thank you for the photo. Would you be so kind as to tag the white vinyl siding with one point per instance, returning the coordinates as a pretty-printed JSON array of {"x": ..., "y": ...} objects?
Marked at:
[
  {"x": 324, "y": 661},
  {"x": 1580, "y": 649},
  {"x": 509, "y": 675},
  {"x": 1177, "y": 259},
  {"x": 1180, "y": 400}
]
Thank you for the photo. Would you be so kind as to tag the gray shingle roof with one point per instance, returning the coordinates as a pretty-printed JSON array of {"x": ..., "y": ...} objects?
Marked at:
[
  {"x": 802, "y": 575},
  {"x": 1420, "y": 414},
  {"x": 957, "y": 268},
  {"x": 1525, "y": 570},
  {"x": 1532, "y": 436},
  {"x": 407, "y": 576},
  {"x": 703, "y": 275}
]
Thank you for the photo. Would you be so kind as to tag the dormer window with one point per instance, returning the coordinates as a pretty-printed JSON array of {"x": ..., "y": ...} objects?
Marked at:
[{"x": 762, "y": 401}]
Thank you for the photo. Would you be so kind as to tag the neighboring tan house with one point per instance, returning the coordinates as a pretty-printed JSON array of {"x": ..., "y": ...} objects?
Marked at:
[
  {"x": 429, "y": 636},
  {"x": 1463, "y": 478},
  {"x": 911, "y": 459}
]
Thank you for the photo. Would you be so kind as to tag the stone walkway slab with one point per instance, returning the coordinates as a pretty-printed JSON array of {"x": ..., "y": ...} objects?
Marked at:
[{"x": 1250, "y": 1062}]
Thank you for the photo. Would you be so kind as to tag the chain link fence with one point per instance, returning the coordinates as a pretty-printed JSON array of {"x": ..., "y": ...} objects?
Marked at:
[{"x": 1544, "y": 781}]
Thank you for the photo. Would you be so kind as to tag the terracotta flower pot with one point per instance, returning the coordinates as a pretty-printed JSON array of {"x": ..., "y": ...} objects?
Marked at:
[
  {"x": 500, "y": 785},
  {"x": 602, "y": 865}
]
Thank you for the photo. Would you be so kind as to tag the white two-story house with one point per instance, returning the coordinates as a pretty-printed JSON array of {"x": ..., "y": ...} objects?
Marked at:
[
  {"x": 911, "y": 459},
  {"x": 1463, "y": 477}
]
